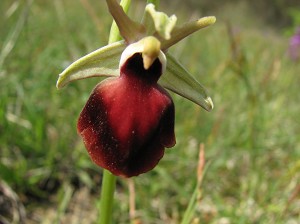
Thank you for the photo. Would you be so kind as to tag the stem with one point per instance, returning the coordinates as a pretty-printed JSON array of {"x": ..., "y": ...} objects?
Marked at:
[
  {"x": 108, "y": 179},
  {"x": 107, "y": 197}
]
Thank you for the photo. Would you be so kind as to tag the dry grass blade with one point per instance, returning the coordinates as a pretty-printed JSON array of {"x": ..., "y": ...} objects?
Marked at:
[{"x": 11, "y": 208}]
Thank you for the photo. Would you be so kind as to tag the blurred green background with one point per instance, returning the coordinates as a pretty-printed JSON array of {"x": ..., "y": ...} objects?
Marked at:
[{"x": 251, "y": 138}]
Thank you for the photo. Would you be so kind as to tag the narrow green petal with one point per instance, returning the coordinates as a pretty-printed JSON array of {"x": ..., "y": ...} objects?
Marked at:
[
  {"x": 102, "y": 62},
  {"x": 187, "y": 29},
  {"x": 158, "y": 22},
  {"x": 114, "y": 34},
  {"x": 180, "y": 81},
  {"x": 131, "y": 31}
]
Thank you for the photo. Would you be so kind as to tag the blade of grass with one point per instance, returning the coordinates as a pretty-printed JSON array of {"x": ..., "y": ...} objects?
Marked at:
[
  {"x": 13, "y": 36},
  {"x": 201, "y": 170}
]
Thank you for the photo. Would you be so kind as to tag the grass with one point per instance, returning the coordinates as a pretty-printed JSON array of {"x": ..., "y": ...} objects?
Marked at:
[{"x": 251, "y": 137}]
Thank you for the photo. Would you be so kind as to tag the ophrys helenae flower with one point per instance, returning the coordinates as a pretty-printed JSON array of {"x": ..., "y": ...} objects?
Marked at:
[{"x": 128, "y": 121}]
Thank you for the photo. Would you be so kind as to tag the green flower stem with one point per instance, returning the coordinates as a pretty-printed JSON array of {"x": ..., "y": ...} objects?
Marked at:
[
  {"x": 107, "y": 197},
  {"x": 108, "y": 179}
]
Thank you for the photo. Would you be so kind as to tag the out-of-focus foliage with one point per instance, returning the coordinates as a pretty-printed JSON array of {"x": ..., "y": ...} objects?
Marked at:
[
  {"x": 273, "y": 12},
  {"x": 295, "y": 21}
]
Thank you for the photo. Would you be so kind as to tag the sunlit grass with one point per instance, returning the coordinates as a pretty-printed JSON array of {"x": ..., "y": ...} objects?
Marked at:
[{"x": 251, "y": 137}]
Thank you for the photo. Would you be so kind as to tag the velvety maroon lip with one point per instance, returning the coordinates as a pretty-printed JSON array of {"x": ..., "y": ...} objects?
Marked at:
[{"x": 128, "y": 121}]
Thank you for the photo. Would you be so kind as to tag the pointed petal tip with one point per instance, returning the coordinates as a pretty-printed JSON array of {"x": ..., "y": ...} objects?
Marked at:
[
  {"x": 209, "y": 104},
  {"x": 211, "y": 19},
  {"x": 62, "y": 80},
  {"x": 206, "y": 21},
  {"x": 59, "y": 84}
]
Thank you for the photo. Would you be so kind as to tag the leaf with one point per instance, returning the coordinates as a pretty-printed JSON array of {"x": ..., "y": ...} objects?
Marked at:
[
  {"x": 102, "y": 62},
  {"x": 180, "y": 81}
]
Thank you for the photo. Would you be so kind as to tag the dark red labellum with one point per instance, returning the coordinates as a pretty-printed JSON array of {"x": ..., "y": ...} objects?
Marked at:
[{"x": 128, "y": 121}]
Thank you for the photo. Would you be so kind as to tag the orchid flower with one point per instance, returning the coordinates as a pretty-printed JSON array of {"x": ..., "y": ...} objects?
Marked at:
[{"x": 128, "y": 121}]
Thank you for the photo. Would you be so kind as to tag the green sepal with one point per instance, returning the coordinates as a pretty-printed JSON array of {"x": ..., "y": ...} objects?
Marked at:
[
  {"x": 158, "y": 23},
  {"x": 101, "y": 62},
  {"x": 179, "y": 33},
  {"x": 130, "y": 30},
  {"x": 177, "y": 79},
  {"x": 114, "y": 34}
]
